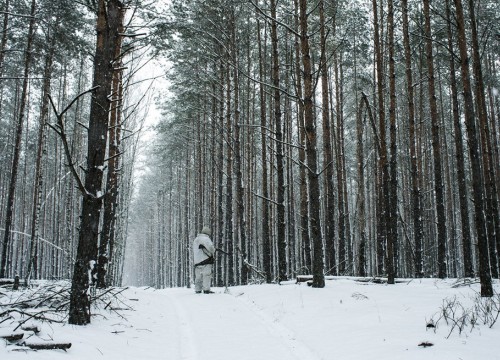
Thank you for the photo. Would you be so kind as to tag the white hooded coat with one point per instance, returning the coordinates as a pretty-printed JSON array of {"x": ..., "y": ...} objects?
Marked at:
[{"x": 198, "y": 254}]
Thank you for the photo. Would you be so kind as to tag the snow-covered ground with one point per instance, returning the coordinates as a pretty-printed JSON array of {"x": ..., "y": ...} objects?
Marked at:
[{"x": 345, "y": 320}]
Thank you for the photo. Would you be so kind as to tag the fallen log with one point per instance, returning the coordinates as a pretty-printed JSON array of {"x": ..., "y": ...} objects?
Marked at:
[
  {"x": 303, "y": 278},
  {"x": 307, "y": 278},
  {"x": 375, "y": 280},
  {"x": 47, "y": 346},
  {"x": 12, "y": 337}
]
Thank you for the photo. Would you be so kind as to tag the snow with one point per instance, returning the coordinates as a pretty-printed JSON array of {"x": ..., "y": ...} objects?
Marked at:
[{"x": 345, "y": 320}]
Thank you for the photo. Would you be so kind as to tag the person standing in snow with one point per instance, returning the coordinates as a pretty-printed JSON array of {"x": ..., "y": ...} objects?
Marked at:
[{"x": 203, "y": 256}]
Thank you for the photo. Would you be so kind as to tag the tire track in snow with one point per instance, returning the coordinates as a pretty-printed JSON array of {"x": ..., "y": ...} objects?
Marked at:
[
  {"x": 298, "y": 348},
  {"x": 188, "y": 348}
]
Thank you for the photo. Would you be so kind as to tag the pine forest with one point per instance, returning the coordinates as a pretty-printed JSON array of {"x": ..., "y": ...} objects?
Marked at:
[{"x": 314, "y": 138}]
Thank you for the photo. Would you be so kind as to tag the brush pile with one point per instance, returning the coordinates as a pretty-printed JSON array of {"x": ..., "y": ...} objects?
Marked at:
[{"x": 26, "y": 314}]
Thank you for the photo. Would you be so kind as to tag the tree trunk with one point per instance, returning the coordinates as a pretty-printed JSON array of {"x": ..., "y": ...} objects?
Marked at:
[
  {"x": 392, "y": 227},
  {"x": 329, "y": 198},
  {"x": 477, "y": 174},
  {"x": 361, "y": 190},
  {"x": 240, "y": 200},
  {"x": 341, "y": 200},
  {"x": 107, "y": 242},
  {"x": 5, "y": 27},
  {"x": 311, "y": 140},
  {"x": 495, "y": 158},
  {"x": 436, "y": 147},
  {"x": 459, "y": 149},
  {"x": 304, "y": 216},
  {"x": 491, "y": 203},
  {"x": 38, "y": 184},
  {"x": 109, "y": 21},
  {"x": 266, "y": 246},
  {"x": 416, "y": 196},
  {"x": 230, "y": 280},
  {"x": 9, "y": 217},
  {"x": 280, "y": 195},
  {"x": 383, "y": 200},
  {"x": 346, "y": 227},
  {"x": 3, "y": 46},
  {"x": 220, "y": 179}
]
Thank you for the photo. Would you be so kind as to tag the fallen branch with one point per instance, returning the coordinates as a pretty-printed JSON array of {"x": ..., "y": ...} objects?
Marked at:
[
  {"x": 7, "y": 318},
  {"x": 252, "y": 267},
  {"x": 375, "y": 280},
  {"x": 37, "y": 316},
  {"x": 426, "y": 344},
  {"x": 12, "y": 337},
  {"x": 47, "y": 346},
  {"x": 303, "y": 278},
  {"x": 6, "y": 282},
  {"x": 464, "y": 282}
]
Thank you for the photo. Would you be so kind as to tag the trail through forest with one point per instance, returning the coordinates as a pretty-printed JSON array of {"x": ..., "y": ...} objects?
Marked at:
[{"x": 213, "y": 326}]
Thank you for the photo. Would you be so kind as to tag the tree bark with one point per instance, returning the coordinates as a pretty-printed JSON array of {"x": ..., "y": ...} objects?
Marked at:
[
  {"x": 338, "y": 140},
  {"x": 361, "y": 190},
  {"x": 416, "y": 196},
  {"x": 266, "y": 246},
  {"x": 240, "y": 201},
  {"x": 109, "y": 21},
  {"x": 392, "y": 237},
  {"x": 329, "y": 198},
  {"x": 477, "y": 174},
  {"x": 280, "y": 195},
  {"x": 491, "y": 203},
  {"x": 230, "y": 279},
  {"x": 38, "y": 184},
  {"x": 3, "y": 46},
  {"x": 459, "y": 149},
  {"x": 304, "y": 216},
  {"x": 9, "y": 217},
  {"x": 106, "y": 245},
  {"x": 495, "y": 153},
  {"x": 220, "y": 178},
  {"x": 383, "y": 166},
  {"x": 436, "y": 147},
  {"x": 5, "y": 27},
  {"x": 311, "y": 152}
]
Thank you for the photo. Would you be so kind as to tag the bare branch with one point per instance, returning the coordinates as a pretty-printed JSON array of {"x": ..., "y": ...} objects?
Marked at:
[
  {"x": 62, "y": 134},
  {"x": 19, "y": 15},
  {"x": 271, "y": 19}
]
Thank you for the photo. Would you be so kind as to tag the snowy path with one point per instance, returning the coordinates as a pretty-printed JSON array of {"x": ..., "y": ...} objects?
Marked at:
[
  {"x": 222, "y": 326},
  {"x": 346, "y": 320}
]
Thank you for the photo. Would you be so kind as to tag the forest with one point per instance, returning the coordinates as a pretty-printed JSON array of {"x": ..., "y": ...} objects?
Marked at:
[{"x": 322, "y": 138}]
